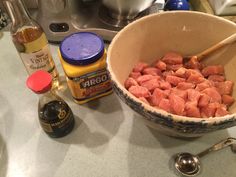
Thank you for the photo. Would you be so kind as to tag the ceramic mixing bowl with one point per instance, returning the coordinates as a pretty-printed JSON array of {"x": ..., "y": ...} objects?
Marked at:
[{"x": 186, "y": 32}]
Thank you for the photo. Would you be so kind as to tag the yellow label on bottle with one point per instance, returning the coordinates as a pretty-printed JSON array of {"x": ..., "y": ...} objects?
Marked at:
[{"x": 36, "y": 55}]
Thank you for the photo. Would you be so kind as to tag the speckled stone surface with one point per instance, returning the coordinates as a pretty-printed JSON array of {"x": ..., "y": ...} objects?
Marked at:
[{"x": 109, "y": 139}]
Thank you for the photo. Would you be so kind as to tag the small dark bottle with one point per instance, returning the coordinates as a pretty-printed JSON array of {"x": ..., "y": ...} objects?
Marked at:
[{"x": 55, "y": 116}]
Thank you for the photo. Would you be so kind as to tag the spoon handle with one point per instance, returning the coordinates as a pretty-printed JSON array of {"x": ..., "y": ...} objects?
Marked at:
[
  {"x": 218, "y": 146},
  {"x": 228, "y": 40}
]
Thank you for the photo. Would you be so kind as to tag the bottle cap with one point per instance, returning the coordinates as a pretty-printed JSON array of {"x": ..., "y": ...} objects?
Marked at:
[
  {"x": 82, "y": 48},
  {"x": 39, "y": 82}
]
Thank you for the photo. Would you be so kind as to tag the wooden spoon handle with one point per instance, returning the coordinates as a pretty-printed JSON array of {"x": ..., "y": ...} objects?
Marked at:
[{"x": 220, "y": 44}]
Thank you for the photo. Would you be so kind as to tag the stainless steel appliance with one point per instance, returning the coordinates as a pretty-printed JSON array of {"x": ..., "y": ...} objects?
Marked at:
[{"x": 60, "y": 18}]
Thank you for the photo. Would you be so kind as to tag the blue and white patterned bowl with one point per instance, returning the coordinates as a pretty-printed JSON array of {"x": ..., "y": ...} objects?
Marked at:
[{"x": 149, "y": 38}]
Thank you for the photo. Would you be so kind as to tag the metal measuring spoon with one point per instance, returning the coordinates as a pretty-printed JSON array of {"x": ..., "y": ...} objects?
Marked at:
[{"x": 189, "y": 165}]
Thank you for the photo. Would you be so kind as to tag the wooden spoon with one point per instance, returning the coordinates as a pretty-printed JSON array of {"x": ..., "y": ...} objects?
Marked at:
[{"x": 201, "y": 55}]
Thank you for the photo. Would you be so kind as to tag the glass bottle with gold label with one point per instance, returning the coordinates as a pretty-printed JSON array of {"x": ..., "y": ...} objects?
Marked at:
[
  {"x": 55, "y": 116},
  {"x": 30, "y": 40}
]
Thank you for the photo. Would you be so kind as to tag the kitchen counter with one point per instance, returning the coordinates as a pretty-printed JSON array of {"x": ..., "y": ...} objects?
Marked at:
[{"x": 109, "y": 139}]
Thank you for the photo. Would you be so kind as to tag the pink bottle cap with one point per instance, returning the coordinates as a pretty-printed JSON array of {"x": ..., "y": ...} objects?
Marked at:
[{"x": 39, "y": 82}]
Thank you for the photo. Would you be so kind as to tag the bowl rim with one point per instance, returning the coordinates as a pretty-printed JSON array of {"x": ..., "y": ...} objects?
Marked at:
[{"x": 177, "y": 118}]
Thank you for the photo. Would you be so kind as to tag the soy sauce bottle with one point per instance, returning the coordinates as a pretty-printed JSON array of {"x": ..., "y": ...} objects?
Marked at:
[{"x": 55, "y": 116}]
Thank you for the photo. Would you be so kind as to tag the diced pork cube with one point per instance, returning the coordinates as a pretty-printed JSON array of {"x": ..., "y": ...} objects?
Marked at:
[
  {"x": 151, "y": 84},
  {"x": 193, "y": 95},
  {"x": 156, "y": 97},
  {"x": 144, "y": 78},
  {"x": 152, "y": 71},
  {"x": 135, "y": 75},
  {"x": 164, "y": 85},
  {"x": 167, "y": 92},
  {"x": 168, "y": 73},
  {"x": 181, "y": 72},
  {"x": 195, "y": 79},
  {"x": 181, "y": 93},
  {"x": 193, "y": 71},
  {"x": 165, "y": 104},
  {"x": 212, "y": 70},
  {"x": 177, "y": 104},
  {"x": 140, "y": 66},
  {"x": 227, "y": 100},
  {"x": 192, "y": 110},
  {"x": 221, "y": 111},
  {"x": 203, "y": 85},
  {"x": 139, "y": 91},
  {"x": 174, "y": 80},
  {"x": 225, "y": 88},
  {"x": 174, "y": 67},
  {"x": 213, "y": 94},
  {"x": 203, "y": 100},
  {"x": 130, "y": 82},
  {"x": 209, "y": 110},
  {"x": 216, "y": 78},
  {"x": 172, "y": 58},
  {"x": 185, "y": 85},
  {"x": 160, "y": 65}
]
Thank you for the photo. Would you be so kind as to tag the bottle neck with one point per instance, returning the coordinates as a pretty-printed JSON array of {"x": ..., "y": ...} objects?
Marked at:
[
  {"x": 47, "y": 97},
  {"x": 17, "y": 12}
]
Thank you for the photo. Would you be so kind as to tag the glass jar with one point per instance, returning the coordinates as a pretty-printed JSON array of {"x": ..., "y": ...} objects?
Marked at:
[{"x": 83, "y": 59}]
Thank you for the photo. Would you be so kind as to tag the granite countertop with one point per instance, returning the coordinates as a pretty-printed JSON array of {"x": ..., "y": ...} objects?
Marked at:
[{"x": 109, "y": 139}]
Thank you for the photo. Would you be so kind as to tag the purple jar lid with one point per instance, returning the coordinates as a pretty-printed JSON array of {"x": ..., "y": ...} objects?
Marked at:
[{"x": 82, "y": 48}]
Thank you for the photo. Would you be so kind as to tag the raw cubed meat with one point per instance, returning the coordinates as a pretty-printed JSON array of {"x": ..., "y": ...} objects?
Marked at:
[
  {"x": 151, "y": 84},
  {"x": 203, "y": 85},
  {"x": 227, "y": 100},
  {"x": 224, "y": 88},
  {"x": 168, "y": 73},
  {"x": 174, "y": 80},
  {"x": 177, "y": 104},
  {"x": 181, "y": 72},
  {"x": 221, "y": 111},
  {"x": 161, "y": 65},
  {"x": 130, "y": 82},
  {"x": 164, "y": 85},
  {"x": 144, "y": 78},
  {"x": 192, "y": 110},
  {"x": 165, "y": 104},
  {"x": 135, "y": 75},
  {"x": 167, "y": 92},
  {"x": 181, "y": 93},
  {"x": 193, "y": 95},
  {"x": 212, "y": 70},
  {"x": 194, "y": 72},
  {"x": 213, "y": 94},
  {"x": 185, "y": 85},
  {"x": 156, "y": 97},
  {"x": 203, "y": 100},
  {"x": 216, "y": 78},
  {"x": 187, "y": 89},
  {"x": 140, "y": 66},
  {"x": 139, "y": 91},
  {"x": 174, "y": 67},
  {"x": 172, "y": 58},
  {"x": 152, "y": 71},
  {"x": 195, "y": 79},
  {"x": 209, "y": 110}
]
